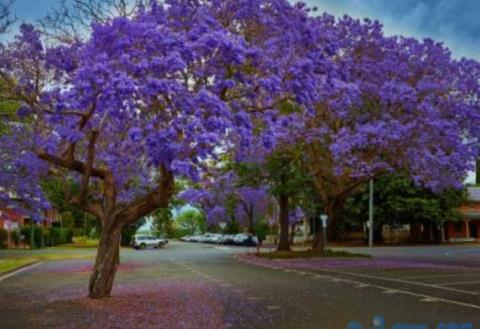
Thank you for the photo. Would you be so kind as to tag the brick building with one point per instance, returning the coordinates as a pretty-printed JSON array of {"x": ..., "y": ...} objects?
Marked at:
[{"x": 469, "y": 228}]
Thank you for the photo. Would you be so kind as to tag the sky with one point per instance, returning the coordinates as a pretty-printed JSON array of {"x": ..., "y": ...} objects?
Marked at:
[{"x": 454, "y": 22}]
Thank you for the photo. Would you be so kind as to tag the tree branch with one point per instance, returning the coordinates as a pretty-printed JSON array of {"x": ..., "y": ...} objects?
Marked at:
[
  {"x": 158, "y": 198},
  {"x": 6, "y": 16},
  {"x": 89, "y": 166},
  {"x": 75, "y": 165}
]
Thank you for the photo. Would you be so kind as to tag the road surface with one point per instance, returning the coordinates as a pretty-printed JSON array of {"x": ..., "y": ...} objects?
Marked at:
[{"x": 199, "y": 286}]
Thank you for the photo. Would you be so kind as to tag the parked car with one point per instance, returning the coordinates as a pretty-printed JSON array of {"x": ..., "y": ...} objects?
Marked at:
[
  {"x": 228, "y": 239},
  {"x": 215, "y": 238},
  {"x": 207, "y": 238},
  {"x": 194, "y": 238},
  {"x": 186, "y": 238},
  {"x": 245, "y": 239},
  {"x": 142, "y": 242}
]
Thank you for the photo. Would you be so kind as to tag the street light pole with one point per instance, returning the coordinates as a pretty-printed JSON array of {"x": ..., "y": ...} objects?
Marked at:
[{"x": 370, "y": 216}]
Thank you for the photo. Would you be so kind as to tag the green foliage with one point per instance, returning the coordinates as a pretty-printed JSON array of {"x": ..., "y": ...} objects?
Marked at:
[
  {"x": 190, "y": 222},
  {"x": 285, "y": 174},
  {"x": 398, "y": 200},
  {"x": 73, "y": 218},
  {"x": 3, "y": 238},
  {"x": 233, "y": 227},
  {"x": 27, "y": 232},
  {"x": 8, "y": 109},
  {"x": 262, "y": 229},
  {"x": 288, "y": 107},
  {"x": 60, "y": 236},
  {"x": 282, "y": 171},
  {"x": 129, "y": 231},
  {"x": 46, "y": 237},
  {"x": 15, "y": 236},
  {"x": 163, "y": 222}
]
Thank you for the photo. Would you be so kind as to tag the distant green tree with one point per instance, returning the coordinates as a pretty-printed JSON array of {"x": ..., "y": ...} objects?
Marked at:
[
  {"x": 163, "y": 217},
  {"x": 289, "y": 183},
  {"x": 8, "y": 109},
  {"x": 56, "y": 190},
  {"x": 163, "y": 222},
  {"x": 190, "y": 222},
  {"x": 397, "y": 200}
]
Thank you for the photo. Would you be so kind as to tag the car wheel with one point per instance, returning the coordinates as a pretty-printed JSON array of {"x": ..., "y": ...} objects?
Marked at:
[
  {"x": 161, "y": 245},
  {"x": 143, "y": 246}
]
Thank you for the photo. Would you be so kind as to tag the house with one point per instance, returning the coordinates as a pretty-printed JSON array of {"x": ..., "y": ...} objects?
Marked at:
[
  {"x": 12, "y": 219},
  {"x": 468, "y": 229}
]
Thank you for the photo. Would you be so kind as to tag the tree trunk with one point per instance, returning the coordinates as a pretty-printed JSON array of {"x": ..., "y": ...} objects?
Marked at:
[
  {"x": 101, "y": 279},
  {"x": 250, "y": 228},
  {"x": 293, "y": 227},
  {"x": 283, "y": 243},
  {"x": 331, "y": 210},
  {"x": 318, "y": 241}
]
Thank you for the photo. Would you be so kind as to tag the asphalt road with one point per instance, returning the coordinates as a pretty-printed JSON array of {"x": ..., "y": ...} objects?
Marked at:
[{"x": 214, "y": 289}]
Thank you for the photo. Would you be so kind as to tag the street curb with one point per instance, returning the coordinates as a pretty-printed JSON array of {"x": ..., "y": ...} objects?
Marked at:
[{"x": 13, "y": 271}]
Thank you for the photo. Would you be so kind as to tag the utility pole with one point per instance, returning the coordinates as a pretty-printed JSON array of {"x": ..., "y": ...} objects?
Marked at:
[{"x": 370, "y": 216}]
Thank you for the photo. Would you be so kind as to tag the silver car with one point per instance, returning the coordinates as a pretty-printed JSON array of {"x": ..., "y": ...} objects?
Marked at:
[{"x": 142, "y": 242}]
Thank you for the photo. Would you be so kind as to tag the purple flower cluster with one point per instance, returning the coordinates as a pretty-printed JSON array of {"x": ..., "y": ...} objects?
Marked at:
[{"x": 223, "y": 199}]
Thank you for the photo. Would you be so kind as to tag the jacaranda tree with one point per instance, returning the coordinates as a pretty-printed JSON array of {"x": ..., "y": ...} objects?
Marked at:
[
  {"x": 378, "y": 104},
  {"x": 156, "y": 96},
  {"x": 222, "y": 197},
  {"x": 141, "y": 101},
  {"x": 282, "y": 172}
]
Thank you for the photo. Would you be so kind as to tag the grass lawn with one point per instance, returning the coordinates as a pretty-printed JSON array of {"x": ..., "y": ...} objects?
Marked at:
[
  {"x": 310, "y": 254},
  {"x": 10, "y": 264},
  {"x": 81, "y": 242},
  {"x": 13, "y": 258}
]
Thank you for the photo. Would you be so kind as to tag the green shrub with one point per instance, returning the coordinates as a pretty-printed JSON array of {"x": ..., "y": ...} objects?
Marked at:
[
  {"x": 43, "y": 237},
  {"x": 78, "y": 232},
  {"x": 262, "y": 230},
  {"x": 178, "y": 233},
  {"x": 60, "y": 236},
  {"x": 38, "y": 235},
  {"x": 15, "y": 236},
  {"x": 3, "y": 238}
]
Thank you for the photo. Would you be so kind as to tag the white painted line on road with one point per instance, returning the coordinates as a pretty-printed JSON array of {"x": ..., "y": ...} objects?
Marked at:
[
  {"x": 23, "y": 269},
  {"x": 404, "y": 282},
  {"x": 459, "y": 283},
  {"x": 390, "y": 291},
  {"x": 273, "y": 307},
  {"x": 404, "y": 292},
  {"x": 362, "y": 285},
  {"x": 428, "y": 276},
  {"x": 429, "y": 300}
]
